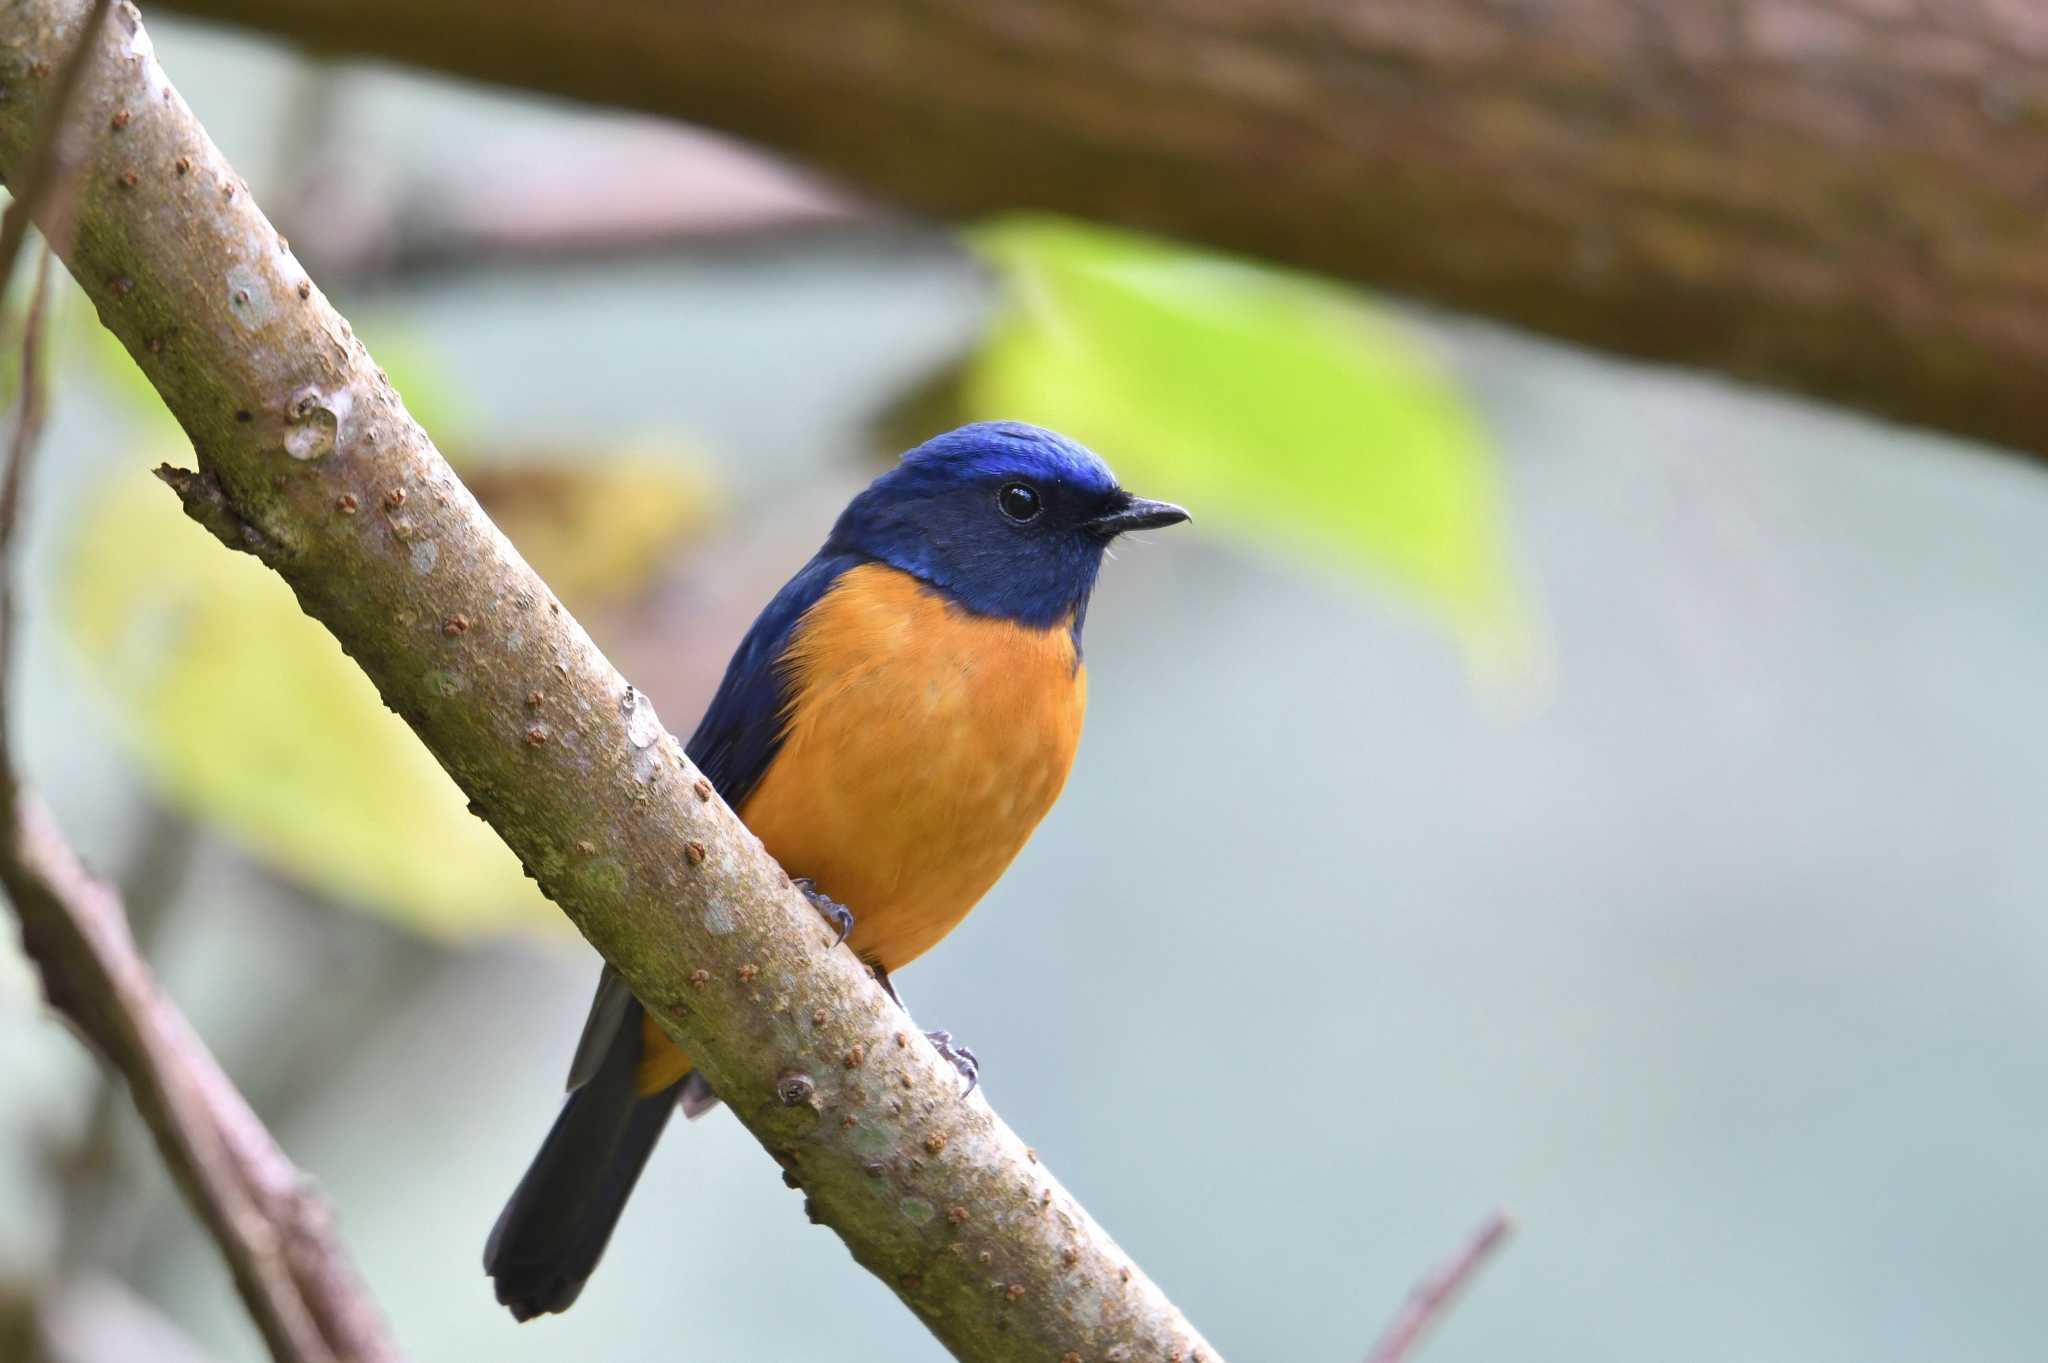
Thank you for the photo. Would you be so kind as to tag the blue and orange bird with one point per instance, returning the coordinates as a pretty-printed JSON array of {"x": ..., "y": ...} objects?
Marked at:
[{"x": 893, "y": 727}]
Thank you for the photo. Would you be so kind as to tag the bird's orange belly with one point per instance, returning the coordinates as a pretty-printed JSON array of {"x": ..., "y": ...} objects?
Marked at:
[{"x": 922, "y": 746}]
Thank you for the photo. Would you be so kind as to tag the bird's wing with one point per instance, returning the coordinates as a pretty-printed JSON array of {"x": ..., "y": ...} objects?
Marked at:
[
  {"x": 738, "y": 737},
  {"x": 742, "y": 730}
]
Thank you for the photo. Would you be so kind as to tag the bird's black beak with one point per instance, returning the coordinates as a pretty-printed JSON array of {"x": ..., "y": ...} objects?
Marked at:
[{"x": 1126, "y": 513}]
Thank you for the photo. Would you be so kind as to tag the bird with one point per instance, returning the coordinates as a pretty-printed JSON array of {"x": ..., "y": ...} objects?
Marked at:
[{"x": 893, "y": 727}]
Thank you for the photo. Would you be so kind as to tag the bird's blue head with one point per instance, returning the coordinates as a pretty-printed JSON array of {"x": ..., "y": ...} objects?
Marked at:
[{"x": 1007, "y": 519}]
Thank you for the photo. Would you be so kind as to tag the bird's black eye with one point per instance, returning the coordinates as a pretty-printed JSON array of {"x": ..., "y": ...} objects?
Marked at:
[{"x": 1019, "y": 501}]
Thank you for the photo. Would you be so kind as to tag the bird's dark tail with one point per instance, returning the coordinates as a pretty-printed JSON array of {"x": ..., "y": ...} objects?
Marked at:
[{"x": 554, "y": 1229}]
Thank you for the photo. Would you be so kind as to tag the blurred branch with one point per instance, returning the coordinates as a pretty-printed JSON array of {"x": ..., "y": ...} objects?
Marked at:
[
  {"x": 1840, "y": 199},
  {"x": 1432, "y": 1297},
  {"x": 309, "y": 461},
  {"x": 99, "y": 1207},
  {"x": 624, "y": 190},
  {"x": 21, "y": 445},
  {"x": 607, "y": 189},
  {"x": 273, "y": 1230},
  {"x": 274, "y": 1234}
]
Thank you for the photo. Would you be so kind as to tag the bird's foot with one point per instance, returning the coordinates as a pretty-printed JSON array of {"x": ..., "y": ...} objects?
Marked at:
[
  {"x": 959, "y": 1057},
  {"x": 829, "y": 909}
]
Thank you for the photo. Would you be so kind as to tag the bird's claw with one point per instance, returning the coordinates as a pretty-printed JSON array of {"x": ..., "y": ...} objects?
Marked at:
[
  {"x": 961, "y": 1058},
  {"x": 830, "y": 909}
]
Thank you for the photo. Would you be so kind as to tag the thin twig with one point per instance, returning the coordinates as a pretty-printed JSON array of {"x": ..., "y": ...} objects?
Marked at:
[
  {"x": 1431, "y": 1298},
  {"x": 21, "y": 447},
  {"x": 74, "y": 931},
  {"x": 98, "y": 1212},
  {"x": 28, "y": 423},
  {"x": 46, "y": 172}
]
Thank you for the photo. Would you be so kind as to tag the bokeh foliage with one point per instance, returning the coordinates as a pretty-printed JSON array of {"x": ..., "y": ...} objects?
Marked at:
[
  {"x": 1279, "y": 407},
  {"x": 1274, "y": 404}
]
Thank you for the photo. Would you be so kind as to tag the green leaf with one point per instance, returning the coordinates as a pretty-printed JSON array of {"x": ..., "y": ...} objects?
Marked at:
[{"x": 1269, "y": 402}]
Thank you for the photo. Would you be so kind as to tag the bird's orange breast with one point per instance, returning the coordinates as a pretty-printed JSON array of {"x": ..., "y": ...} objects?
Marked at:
[
  {"x": 921, "y": 746},
  {"x": 923, "y": 743}
]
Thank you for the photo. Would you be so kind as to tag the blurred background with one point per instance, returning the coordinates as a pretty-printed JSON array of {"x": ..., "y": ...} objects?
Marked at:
[{"x": 1537, "y": 779}]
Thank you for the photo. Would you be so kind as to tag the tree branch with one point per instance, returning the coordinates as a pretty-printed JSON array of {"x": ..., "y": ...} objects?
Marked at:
[
  {"x": 308, "y": 459},
  {"x": 1843, "y": 199},
  {"x": 275, "y": 1235}
]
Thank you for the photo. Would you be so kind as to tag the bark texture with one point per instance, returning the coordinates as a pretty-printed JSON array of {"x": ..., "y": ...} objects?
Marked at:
[
  {"x": 1848, "y": 198},
  {"x": 309, "y": 460}
]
